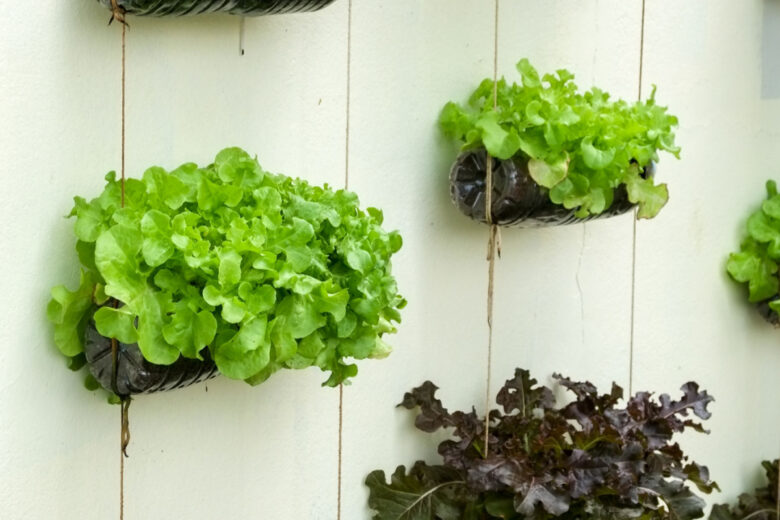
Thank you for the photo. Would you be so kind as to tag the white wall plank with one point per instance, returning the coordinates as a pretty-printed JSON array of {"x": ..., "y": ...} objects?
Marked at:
[
  {"x": 408, "y": 60},
  {"x": 693, "y": 322}
]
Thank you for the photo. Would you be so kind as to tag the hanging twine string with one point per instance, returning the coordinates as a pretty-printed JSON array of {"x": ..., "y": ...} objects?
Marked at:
[
  {"x": 341, "y": 438},
  {"x": 118, "y": 14},
  {"x": 346, "y": 187},
  {"x": 494, "y": 244},
  {"x": 634, "y": 220}
]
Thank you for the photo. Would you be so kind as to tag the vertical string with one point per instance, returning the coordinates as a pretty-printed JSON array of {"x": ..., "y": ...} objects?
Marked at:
[
  {"x": 124, "y": 424},
  {"x": 341, "y": 438},
  {"x": 118, "y": 14},
  {"x": 494, "y": 248},
  {"x": 124, "y": 428},
  {"x": 124, "y": 76},
  {"x": 346, "y": 186},
  {"x": 348, "y": 94},
  {"x": 633, "y": 239}
]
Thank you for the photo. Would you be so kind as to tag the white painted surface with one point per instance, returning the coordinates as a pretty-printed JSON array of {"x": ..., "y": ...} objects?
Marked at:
[{"x": 562, "y": 298}]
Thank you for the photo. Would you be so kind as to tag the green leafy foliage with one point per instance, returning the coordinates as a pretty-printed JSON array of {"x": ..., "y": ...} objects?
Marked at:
[
  {"x": 266, "y": 271},
  {"x": 762, "y": 504},
  {"x": 587, "y": 459},
  {"x": 581, "y": 146},
  {"x": 756, "y": 262}
]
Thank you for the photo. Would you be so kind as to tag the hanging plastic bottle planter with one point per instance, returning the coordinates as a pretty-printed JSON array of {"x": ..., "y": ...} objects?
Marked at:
[
  {"x": 224, "y": 269},
  {"x": 756, "y": 263},
  {"x": 559, "y": 156},
  {"x": 239, "y": 7},
  {"x": 136, "y": 375},
  {"x": 517, "y": 199}
]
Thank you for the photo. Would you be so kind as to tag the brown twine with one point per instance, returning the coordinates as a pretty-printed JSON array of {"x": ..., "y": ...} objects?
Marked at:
[
  {"x": 494, "y": 244},
  {"x": 346, "y": 187},
  {"x": 341, "y": 437},
  {"x": 118, "y": 14},
  {"x": 633, "y": 240}
]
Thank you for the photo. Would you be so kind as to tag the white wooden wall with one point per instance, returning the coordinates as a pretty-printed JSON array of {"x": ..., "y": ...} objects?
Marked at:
[{"x": 563, "y": 296}]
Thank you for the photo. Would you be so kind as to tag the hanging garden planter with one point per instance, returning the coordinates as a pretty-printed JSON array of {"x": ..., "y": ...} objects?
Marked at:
[
  {"x": 587, "y": 459},
  {"x": 757, "y": 261},
  {"x": 762, "y": 504},
  {"x": 240, "y": 7},
  {"x": 225, "y": 268},
  {"x": 559, "y": 156}
]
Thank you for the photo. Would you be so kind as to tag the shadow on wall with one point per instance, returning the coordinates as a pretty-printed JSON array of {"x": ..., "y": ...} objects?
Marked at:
[{"x": 770, "y": 51}]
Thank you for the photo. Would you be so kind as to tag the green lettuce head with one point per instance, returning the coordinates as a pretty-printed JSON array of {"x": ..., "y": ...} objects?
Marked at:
[{"x": 265, "y": 271}]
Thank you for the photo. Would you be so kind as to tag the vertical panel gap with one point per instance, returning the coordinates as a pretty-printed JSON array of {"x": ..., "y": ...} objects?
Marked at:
[{"x": 633, "y": 235}]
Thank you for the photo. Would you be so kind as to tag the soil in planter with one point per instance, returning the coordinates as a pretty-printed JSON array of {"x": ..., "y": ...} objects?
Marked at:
[
  {"x": 135, "y": 375},
  {"x": 241, "y": 7},
  {"x": 517, "y": 200}
]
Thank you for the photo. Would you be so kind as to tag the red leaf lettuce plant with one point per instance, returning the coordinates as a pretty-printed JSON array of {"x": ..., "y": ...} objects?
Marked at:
[
  {"x": 587, "y": 459},
  {"x": 763, "y": 504}
]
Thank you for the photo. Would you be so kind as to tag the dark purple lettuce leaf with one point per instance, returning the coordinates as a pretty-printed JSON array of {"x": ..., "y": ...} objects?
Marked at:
[
  {"x": 588, "y": 459},
  {"x": 761, "y": 505}
]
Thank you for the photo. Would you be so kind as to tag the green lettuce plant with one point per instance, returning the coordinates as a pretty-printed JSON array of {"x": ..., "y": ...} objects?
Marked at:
[
  {"x": 756, "y": 262},
  {"x": 265, "y": 271},
  {"x": 580, "y": 146}
]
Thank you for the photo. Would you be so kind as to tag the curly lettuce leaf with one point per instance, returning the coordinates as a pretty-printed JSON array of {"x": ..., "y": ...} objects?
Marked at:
[
  {"x": 756, "y": 263},
  {"x": 68, "y": 311}
]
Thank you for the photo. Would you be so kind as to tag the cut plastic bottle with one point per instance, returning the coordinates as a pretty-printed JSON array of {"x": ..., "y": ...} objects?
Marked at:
[
  {"x": 517, "y": 200},
  {"x": 239, "y": 7},
  {"x": 136, "y": 375}
]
